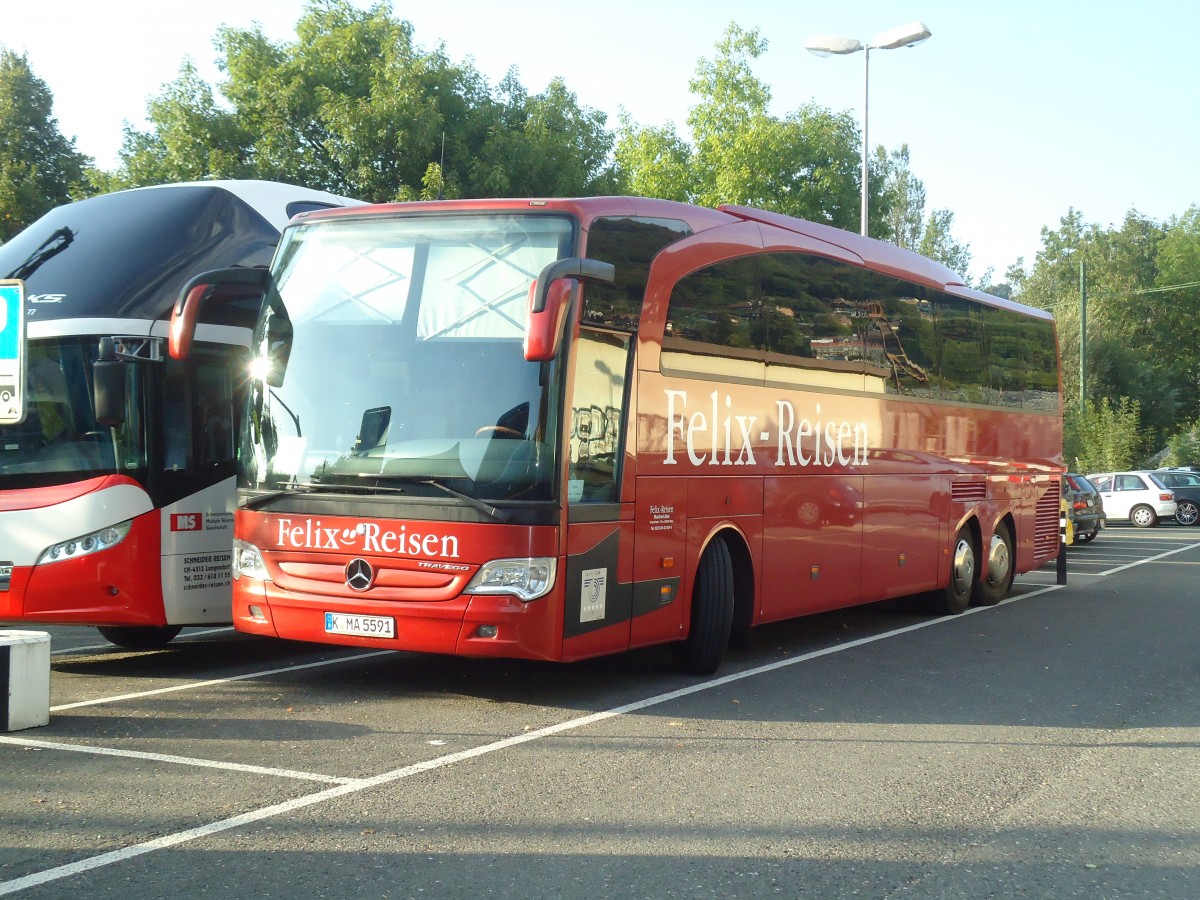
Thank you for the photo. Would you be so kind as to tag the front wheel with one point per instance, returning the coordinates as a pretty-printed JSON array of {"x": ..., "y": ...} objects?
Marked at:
[
  {"x": 140, "y": 637},
  {"x": 955, "y": 597},
  {"x": 1143, "y": 517},
  {"x": 1187, "y": 512},
  {"x": 712, "y": 613},
  {"x": 998, "y": 577}
]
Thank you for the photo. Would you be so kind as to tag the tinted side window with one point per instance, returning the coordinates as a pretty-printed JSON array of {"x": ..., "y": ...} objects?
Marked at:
[
  {"x": 715, "y": 306},
  {"x": 630, "y": 244},
  {"x": 831, "y": 323}
]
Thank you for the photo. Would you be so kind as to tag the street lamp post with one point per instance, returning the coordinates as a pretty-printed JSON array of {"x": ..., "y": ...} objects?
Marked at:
[{"x": 831, "y": 45}]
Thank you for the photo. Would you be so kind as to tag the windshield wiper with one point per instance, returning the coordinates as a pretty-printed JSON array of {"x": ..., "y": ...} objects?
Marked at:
[
  {"x": 487, "y": 509},
  {"x": 51, "y": 247},
  {"x": 307, "y": 488}
]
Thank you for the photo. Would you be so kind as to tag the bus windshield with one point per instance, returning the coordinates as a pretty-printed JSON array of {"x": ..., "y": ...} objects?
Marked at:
[
  {"x": 397, "y": 353},
  {"x": 59, "y": 441}
]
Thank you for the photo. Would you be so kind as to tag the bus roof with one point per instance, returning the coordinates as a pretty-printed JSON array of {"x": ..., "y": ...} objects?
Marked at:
[
  {"x": 874, "y": 254},
  {"x": 128, "y": 253}
]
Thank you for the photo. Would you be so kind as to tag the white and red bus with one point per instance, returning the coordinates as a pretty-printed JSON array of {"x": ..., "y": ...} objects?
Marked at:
[
  {"x": 122, "y": 517},
  {"x": 554, "y": 429}
]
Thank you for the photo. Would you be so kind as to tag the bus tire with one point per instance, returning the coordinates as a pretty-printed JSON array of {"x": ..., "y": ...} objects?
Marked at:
[
  {"x": 955, "y": 597},
  {"x": 998, "y": 569},
  {"x": 700, "y": 653},
  {"x": 139, "y": 637}
]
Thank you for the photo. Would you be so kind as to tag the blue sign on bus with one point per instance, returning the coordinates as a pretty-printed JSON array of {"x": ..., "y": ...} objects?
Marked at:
[
  {"x": 10, "y": 321},
  {"x": 12, "y": 338}
]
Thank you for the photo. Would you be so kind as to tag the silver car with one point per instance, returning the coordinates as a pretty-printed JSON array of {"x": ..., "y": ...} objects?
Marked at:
[{"x": 1137, "y": 496}]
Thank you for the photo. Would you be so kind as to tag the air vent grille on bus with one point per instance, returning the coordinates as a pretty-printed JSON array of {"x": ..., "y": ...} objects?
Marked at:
[
  {"x": 968, "y": 491},
  {"x": 1046, "y": 526}
]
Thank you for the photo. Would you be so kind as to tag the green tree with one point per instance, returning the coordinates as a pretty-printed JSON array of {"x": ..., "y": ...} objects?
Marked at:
[
  {"x": 354, "y": 106},
  {"x": 191, "y": 138},
  {"x": 1105, "y": 436},
  {"x": 806, "y": 164},
  {"x": 545, "y": 145},
  {"x": 938, "y": 243},
  {"x": 654, "y": 161},
  {"x": 905, "y": 193},
  {"x": 1173, "y": 304},
  {"x": 39, "y": 167}
]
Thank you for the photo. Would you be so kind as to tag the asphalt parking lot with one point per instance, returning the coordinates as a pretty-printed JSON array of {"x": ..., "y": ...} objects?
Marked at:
[{"x": 228, "y": 765}]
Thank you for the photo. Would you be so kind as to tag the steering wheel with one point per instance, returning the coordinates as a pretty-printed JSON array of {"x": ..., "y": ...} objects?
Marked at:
[{"x": 500, "y": 430}]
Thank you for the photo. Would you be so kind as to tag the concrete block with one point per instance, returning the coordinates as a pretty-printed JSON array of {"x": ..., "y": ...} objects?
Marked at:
[{"x": 24, "y": 679}]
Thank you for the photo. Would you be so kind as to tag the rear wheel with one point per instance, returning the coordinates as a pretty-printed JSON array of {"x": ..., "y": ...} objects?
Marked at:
[
  {"x": 998, "y": 577},
  {"x": 1187, "y": 512},
  {"x": 955, "y": 597},
  {"x": 140, "y": 637},
  {"x": 712, "y": 613},
  {"x": 1143, "y": 517},
  {"x": 1084, "y": 537}
]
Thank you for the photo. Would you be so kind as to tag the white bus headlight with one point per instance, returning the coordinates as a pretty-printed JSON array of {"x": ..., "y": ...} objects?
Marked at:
[
  {"x": 528, "y": 579},
  {"x": 248, "y": 561},
  {"x": 86, "y": 544}
]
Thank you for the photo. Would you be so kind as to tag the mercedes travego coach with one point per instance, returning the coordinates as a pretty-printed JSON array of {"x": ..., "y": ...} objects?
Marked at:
[
  {"x": 117, "y": 472},
  {"x": 560, "y": 428}
]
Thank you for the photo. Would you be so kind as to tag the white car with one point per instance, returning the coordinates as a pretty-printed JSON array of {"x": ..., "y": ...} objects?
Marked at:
[{"x": 1137, "y": 496}]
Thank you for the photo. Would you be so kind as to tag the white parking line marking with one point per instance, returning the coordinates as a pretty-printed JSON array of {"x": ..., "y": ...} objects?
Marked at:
[
  {"x": 278, "y": 809},
  {"x": 107, "y": 646},
  {"x": 192, "y": 685},
  {"x": 1150, "y": 559},
  {"x": 178, "y": 760}
]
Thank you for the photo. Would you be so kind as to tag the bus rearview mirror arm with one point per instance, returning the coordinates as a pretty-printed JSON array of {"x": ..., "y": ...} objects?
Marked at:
[
  {"x": 196, "y": 294},
  {"x": 550, "y": 298}
]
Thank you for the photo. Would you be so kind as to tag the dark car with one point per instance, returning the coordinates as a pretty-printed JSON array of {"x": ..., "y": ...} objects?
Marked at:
[
  {"x": 1083, "y": 506},
  {"x": 1186, "y": 485}
]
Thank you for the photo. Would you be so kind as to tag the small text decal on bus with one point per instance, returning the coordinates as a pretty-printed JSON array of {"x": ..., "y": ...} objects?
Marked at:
[{"x": 799, "y": 441}]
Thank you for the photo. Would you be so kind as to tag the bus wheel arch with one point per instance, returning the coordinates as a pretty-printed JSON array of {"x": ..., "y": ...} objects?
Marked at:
[
  {"x": 712, "y": 611},
  {"x": 997, "y": 565}
]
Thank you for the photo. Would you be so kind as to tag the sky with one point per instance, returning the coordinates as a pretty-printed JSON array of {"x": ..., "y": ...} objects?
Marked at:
[{"x": 1014, "y": 112}]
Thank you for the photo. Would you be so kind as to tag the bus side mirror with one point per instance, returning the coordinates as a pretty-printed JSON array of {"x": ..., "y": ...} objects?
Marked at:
[
  {"x": 206, "y": 290},
  {"x": 550, "y": 299},
  {"x": 108, "y": 385},
  {"x": 279, "y": 348}
]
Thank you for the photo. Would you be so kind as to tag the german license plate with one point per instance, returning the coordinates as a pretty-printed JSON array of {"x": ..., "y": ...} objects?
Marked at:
[{"x": 360, "y": 626}]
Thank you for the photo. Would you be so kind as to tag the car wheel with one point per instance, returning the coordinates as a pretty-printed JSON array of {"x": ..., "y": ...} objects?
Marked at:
[
  {"x": 1087, "y": 536},
  {"x": 1187, "y": 512},
  {"x": 998, "y": 574},
  {"x": 1143, "y": 517}
]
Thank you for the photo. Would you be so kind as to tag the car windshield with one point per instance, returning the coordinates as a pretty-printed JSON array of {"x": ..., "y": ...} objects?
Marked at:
[
  {"x": 402, "y": 359},
  {"x": 59, "y": 440}
]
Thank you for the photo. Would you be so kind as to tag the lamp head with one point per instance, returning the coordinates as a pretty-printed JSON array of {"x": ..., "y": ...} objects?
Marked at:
[
  {"x": 831, "y": 45},
  {"x": 902, "y": 36}
]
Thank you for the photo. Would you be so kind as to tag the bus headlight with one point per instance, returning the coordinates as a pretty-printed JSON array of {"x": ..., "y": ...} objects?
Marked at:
[
  {"x": 528, "y": 579},
  {"x": 87, "y": 544},
  {"x": 248, "y": 561}
]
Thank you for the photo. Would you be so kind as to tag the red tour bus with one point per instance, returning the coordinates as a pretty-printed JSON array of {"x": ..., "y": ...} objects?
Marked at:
[
  {"x": 554, "y": 429},
  {"x": 117, "y": 475}
]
